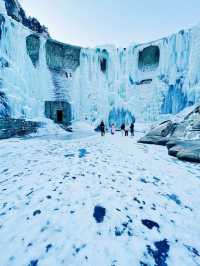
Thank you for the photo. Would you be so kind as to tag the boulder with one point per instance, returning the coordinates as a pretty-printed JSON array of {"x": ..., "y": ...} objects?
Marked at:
[
  {"x": 191, "y": 154},
  {"x": 159, "y": 135},
  {"x": 181, "y": 138},
  {"x": 187, "y": 150}
]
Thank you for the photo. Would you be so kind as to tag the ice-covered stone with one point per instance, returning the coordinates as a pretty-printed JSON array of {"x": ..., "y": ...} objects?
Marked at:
[
  {"x": 182, "y": 139},
  {"x": 159, "y": 135}
]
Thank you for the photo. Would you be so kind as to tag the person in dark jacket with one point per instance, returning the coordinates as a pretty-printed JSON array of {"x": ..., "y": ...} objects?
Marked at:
[
  {"x": 102, "y": 128},
  {"x": 132, "y": 127},
  {"x": 123, "y": 129},
  {"x": 126, "y": 131}
]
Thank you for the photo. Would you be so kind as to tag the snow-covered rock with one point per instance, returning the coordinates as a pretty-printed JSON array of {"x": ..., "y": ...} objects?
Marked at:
[{"x": 181, "y": 138}]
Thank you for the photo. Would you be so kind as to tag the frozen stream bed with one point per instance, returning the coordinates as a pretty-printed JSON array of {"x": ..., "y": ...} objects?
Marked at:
[{"x": 96, "y": 201}]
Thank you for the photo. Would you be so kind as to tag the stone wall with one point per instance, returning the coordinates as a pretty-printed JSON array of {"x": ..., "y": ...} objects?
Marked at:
[{"x": 17, "y": 127}]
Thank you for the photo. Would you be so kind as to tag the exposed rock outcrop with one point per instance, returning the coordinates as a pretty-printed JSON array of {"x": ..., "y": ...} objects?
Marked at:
[
  {"x": 182, "y": 139},
  {"x": 159, "y": 135},
  {"x": 188, "y": 150},
  {"x": 62, "y": 61},
  {"x": 15, "y": 11},
  {"x": 60, "y": 56}
]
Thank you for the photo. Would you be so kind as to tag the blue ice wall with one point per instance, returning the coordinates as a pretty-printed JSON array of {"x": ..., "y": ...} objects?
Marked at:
[
  {"x": 5, "y": 109},
  {"x": 175, "y": 100},
  {"x": 4, "y": 106},
  {"x": 118, "y": 116}
]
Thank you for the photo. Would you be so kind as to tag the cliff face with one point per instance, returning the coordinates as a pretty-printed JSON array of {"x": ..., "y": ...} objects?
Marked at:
[
  {"x": 61, "y": 56},
  {"x": 145, "y": 81},
  {"x": 33, "y": 67},
  {"x": 15, "y": 11}
]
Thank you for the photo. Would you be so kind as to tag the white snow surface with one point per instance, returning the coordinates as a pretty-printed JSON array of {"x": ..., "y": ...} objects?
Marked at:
[{"x": 50, "y": 187}]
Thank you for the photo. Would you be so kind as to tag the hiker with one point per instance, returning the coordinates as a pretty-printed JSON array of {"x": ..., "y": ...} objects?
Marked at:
[
  {"x": 126, "y": 131},
  {"x": 132, "y": 129},
  {"x": 122, "y": 129},
  {"x": 112, "y": 129},
  {"x": 102, "y": 128}
]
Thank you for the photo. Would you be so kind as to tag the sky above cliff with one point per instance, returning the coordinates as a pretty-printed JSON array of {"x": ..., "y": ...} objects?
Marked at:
[{"x": 97, "y": 22}]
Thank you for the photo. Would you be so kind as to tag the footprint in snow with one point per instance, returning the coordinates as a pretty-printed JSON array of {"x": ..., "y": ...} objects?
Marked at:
[{"x": 99, "y": 213}]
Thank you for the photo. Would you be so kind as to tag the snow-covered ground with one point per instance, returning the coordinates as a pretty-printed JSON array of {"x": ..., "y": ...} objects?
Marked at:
[{"x": 96, "y": 201}]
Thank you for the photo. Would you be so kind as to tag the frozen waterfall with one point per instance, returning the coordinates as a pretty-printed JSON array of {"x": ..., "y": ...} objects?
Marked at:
[{"x": 114, "y": 84}]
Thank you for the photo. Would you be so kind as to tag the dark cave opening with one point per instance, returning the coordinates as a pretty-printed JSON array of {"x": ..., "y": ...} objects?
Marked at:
[{"x": 103, "y": 64}]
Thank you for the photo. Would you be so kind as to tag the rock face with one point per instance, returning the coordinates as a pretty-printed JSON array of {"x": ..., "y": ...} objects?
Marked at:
[
  {"x": 61, "y": 56},
  {"x": 159, "y": 135},
  {"x": 15, "y": 11},
  {"x": 62, "y": 61},
  {"x": 33, "y": 47},
  {"x": 186, "y": 150},
  {"x": 182, "y": 139}
]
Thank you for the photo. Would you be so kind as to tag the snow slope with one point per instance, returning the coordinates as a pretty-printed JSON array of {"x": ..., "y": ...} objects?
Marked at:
[{"x": 148, "y": 210}]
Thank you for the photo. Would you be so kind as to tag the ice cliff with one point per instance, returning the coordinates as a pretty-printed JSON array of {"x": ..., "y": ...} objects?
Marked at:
[{"x": 114, "y": 84}]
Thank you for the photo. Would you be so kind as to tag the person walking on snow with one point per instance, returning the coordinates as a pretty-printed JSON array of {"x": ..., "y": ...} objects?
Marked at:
[
  {"x": 102, "y": 128},
  {"x": 113, "y": 129},
  {"x": 132, "y": 129},
  {"x": 122, "y": 129},
  {"x": 126, "y": 131}
]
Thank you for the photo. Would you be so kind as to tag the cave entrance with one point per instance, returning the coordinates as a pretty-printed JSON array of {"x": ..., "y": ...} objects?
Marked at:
[
  {"x": 103, "y": 64},
  {"x": 59, "y": 116},
  {"x": 59, "y": 111}
]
